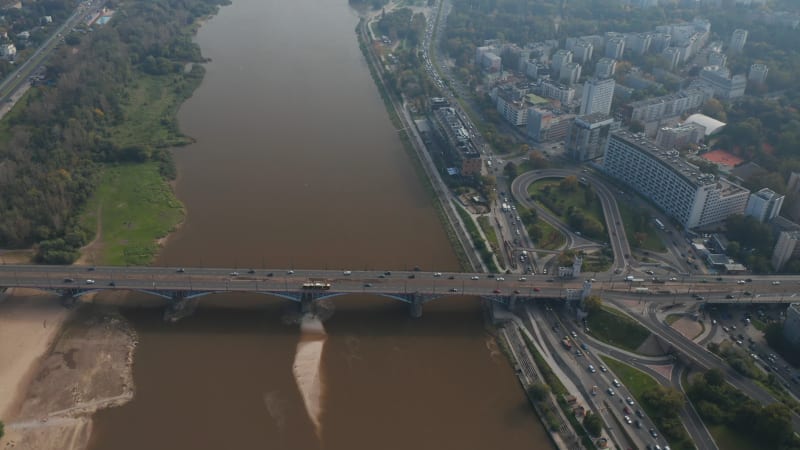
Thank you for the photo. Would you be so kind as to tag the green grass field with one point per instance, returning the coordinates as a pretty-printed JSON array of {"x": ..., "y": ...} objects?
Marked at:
[
  {"x": 616, "y": 329},
  {"x": 651, "y": 240},
  {"x": 730, "y": 439},
  {"x": 552, "y": 239},
  {"x": 575, "y": 199},
  {"x": 150, "y": 112},
  {"x": 136, "y": 208}
]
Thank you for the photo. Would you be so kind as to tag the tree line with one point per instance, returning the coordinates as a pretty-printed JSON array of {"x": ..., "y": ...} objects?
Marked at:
[{"x": 54, "y": 143}]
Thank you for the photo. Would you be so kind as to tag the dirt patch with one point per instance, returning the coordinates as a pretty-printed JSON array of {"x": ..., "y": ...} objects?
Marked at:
[
  {"x": 88, "y": 368},
  {"x": 688, "y": 327}
]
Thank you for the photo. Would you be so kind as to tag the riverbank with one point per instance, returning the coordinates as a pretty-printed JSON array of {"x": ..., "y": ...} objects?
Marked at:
[{"x": 85, "y": 364}]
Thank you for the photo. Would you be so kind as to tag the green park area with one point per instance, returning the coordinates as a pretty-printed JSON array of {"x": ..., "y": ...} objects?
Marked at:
[
  {"x": 575, "y": 204},
  {"x": 131, "y": 209},
  {"x": 635, "y": 380},
  {"x": 615, "y": 328},
  {"x": 639, "y": 229}
]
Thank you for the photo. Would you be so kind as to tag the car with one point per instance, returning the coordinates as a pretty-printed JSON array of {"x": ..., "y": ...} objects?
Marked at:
[
  {"x": 387, "y": 273},
  {"x": 653, "y": 432},
  {"x": 747, "y": 293},
  {"x": 453, "y": 290},
  {"x": 522, "y": 279},
  {"x": 381, "y": 276},
  {"x": 578, "y": 353},
  {"x": 610, "y": 392},
  {"x": 638, "y": 423},
  {"x": 112, "y": 284},
  {"x": 536, "y": 289},
  {"x": 417, "y": 269},
  {"x": 270, "y": 274},
  {"x": 584, "y": 346},
  {"x": 775, "y": 283},
  {"x": 748, "y": 280},
  {"x": 629, "y": 401},
  {"x": 573, "y": 334},
  {"x": 90, "y": 269},
  {"x": 501, "y": 279},
  {"x": 592, "y": 369},
  {"x": 290, "y": 272},
  {"x": 366, "y": 285},
  {"x": 496, "y": 291},
  {"x": 437, "y": 274},
  {"x": 549, "y": 280},
  {"x": 741, "y": 282},
  {"x": 251, "y": 271},
  {"x": 347, "y": 272},
  {"x": 729, "y": 296},
  {"x": 603, "y": 368},
  {"x": 626, "y": 410},
  {"x": 234, "y": 274},
  {"x": 90, "y": 281},
  {"x": 639, "y": 414},
  {"x": 673, "y": 279},
  {"x": 628, "y": 420},
  {"x": 68, "y": 280},
  {"x": 180, "y": 270},
  {"x": 412, "y": 276},
  {"x": 516, "y": 291},
  {"x": 616, "y": 382},
  {"x": 475, "y": 277}
]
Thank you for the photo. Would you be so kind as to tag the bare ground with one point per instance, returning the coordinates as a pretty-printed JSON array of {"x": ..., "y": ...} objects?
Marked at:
[{"x": 86, "y": 369}]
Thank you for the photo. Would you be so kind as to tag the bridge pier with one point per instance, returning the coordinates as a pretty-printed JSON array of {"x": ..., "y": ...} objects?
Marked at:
[
  {"x": 179, "y": 306},
  {"x": 512, "y": 302},
  {"x": 416, "y": 306},
  {"x": 306, "y": 302}
]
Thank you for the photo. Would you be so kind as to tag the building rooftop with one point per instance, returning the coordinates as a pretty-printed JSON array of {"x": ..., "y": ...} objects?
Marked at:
[
  {"x": 710, "y": 124},
  {"x": 670, "y": 158}
]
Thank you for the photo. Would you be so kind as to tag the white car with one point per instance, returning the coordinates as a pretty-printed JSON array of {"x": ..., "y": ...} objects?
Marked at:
[
  {"x": 775, "y": 283},
  {"x": 437, "y": 274},
  {"x": 501, "y": 279},
  {"x": 475, "y": 277},
  {"x": 523, "y": 279},
  {"x": 89, "y": 281},
  {"x": 347, "y": 272},
  {"x": 628, "y": 420}
]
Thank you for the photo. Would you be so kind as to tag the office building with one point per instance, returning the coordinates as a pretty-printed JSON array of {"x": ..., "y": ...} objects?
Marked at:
[
  {"x": 557, "y": 91},
  {"x": 560, "y": 58},
  {"x": 681, "y": 136},
  {"x": 597, "y": 96},
  {"x": 615, "y": 47},
  {"x": 725, "y": 86},
  {"x": 587, "y": 136},
  {"x": 758, "y": 73},
  {"x": 638, "y": 43},
  {"x": 676, "y": 186},
  {"x": 581, "y": 50},
  {"x": 764, "y": 205},
  {"x": 605, "y": 68},
  {"x": 717, "y": 59},
  {"x": 461, "y": 150},
  {"x": 546, "y": 125},
  {"x": 570, "y": 73},
  {"x": 785, "y": 249},
  {"x": 667, "y": 106},
  {"x": 738, "y": 39}
]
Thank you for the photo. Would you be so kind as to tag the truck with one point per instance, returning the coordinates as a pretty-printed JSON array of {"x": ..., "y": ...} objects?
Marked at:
[
  {"x": 659, "y": 224},
  {"x": 641, "y": 290},
  {"x": 566, "y": 343}
]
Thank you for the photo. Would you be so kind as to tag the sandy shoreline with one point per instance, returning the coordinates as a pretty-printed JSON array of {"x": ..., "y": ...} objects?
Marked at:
[{"x": 60, "y": 366}]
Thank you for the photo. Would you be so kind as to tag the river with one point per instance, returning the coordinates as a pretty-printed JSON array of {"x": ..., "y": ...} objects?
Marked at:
[{"x": 296, "y": 164}]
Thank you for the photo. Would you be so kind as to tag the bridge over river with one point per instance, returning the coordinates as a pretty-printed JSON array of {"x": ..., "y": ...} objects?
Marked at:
[
  {"x": 414, "y": 287},
  {"x": 178, "y": 284}
]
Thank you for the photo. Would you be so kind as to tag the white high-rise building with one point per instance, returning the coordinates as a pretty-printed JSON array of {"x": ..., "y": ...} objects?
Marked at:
[
  {"x": 785, "y": 249},
  {"x": 605, "y": 68},
  {"x": 764, "y": 205},
  {"x": 597, "y": 96},
  {"x": 758, "y": 73},
  {"x": 676, "y": 186},
  {"x": 738, "y": 39}
]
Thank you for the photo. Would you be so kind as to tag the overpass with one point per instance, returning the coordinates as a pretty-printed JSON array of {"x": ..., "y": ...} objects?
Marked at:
[{"x": 178, "y": 285}]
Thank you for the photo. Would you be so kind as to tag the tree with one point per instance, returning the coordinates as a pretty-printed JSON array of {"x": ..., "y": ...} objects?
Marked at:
[
  {"x": 666, "y": 400},
  {"x": 568, "y": 184},
  {"x": 593, "y": 424},
  {"x": 510, "y": 170},
  {"x": 593, "y": 303},
  {"x": 714, "y": 108},
  {"x": 636, "y": 127},
  {"x": 714, "y": 377},
  {"x": 2, "y": 429},
  {"x": 538, "y": 391},
  {"x": 538, "y": 161}
]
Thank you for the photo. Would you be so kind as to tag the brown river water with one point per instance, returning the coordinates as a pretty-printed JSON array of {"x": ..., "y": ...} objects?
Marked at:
[{"x": 298, "y": 165}]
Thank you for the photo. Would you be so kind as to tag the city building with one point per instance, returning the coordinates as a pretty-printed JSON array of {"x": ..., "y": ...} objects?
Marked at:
[
  {"x": 597, "y": 96},
  {"x": 738, "y": 39},
  {"x": 725, "y": 86},
  {"x": 570, "y": 73},
  {"x": 560, "y": 58},
  {"x": 8, "y": 51},
  {"x": 571, "y": 272},
  {"x": 717, "y": 59},
  {"x": 457, "y": 140},
  {"x": 638, "y": 43},
  {"x": 486, "y": 58},
  {"x": 615, "y": 47},
  {"x": 587, "y": 136},
  {"x": 758, "y": 73},
  {"x": 676, "y": 186},
  {"x": 764, "y": 205},
  {"x": 791, "y": 326},
  {"x": 546, "y": 125},
  {"x": 581, "y": 51},
  {"x": 672, "y": 57},
  {"x": 680, "y": 136},
  {"x": 514, "y": 111},
  {"x": 554, "y": 90},
  {"x": 785, "y": 249},
  {"x": 660, "y": 41},
  {"x": 605, "y": 68},
  {"x": 671, "y": 105}
]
